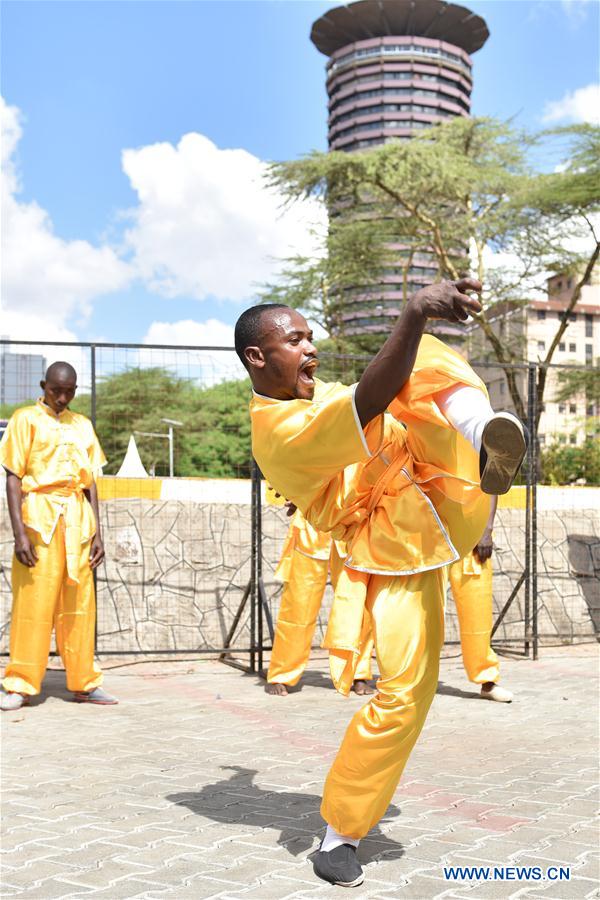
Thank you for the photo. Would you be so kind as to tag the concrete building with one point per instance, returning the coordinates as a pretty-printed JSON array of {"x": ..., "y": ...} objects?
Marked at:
[
  {"x": 529, "y": 331},
  {"x": 395, "y": 66},
  {"x": 20, "y": 375}
]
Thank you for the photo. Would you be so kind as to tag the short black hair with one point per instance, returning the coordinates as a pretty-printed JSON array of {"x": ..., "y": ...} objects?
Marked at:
[
  {"x": 247, "y": 327},
  {"x": 60, "y": 368}
]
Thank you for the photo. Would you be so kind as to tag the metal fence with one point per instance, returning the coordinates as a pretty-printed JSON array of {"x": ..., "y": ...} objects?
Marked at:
[{"x": 192, "y": 549}]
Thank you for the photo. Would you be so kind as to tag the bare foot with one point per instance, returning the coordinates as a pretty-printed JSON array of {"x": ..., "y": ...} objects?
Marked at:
[
  {"x": 278, "y": 690},
  {"x": 362, "y": 687}
]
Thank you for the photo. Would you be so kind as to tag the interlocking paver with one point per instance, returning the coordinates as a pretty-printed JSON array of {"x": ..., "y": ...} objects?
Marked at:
[
  {"x": 126, "y": 889},
  {"x": 578, "y": 889},
  {"x": 197, "y": 890},
  {"x": 274, "y": 888},
  {"x": 40, "y": 871},
  {"x": 220, "y": 798},
  {"x": 107, "y": 872},
  {"x": 52, "y": 889}
]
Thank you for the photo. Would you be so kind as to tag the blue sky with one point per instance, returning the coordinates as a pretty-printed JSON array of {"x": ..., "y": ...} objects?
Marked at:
[{"x": 167, "y": 242}]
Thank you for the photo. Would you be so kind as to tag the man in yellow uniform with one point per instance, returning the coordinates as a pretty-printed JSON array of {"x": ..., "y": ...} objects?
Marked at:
[
  {"x": 406, "y": 501},
  {"x": 307, "y": 557},
  {"x": 471, "y": 585},
  {"x": 52, "y": 456}
]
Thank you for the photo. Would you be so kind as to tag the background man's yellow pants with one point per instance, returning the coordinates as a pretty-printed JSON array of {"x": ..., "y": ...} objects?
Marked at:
[
  {"x": 42, "y": 599},
  {"x": 300, "y": 604},
  {"x": 472, "y": 592}
]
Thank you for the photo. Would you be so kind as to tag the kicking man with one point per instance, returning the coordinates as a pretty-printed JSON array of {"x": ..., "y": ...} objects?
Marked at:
[{"x": 406, "y": 501}]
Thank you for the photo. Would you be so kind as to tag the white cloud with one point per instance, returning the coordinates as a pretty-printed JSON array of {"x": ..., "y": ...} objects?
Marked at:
[
  {"x": 45, "y": 279},
  {"x": 206, "y": 367},
  {"x": 576, "y": 10},
  {"x": 212, "y": 333},
  {"x": 206, "y": 224},
  {"x": 22, "y": 326},
  {"x": 581, "y": 105}
]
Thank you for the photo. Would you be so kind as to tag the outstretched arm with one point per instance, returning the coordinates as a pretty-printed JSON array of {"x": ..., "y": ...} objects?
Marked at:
[{"x": 388, "y": 371}]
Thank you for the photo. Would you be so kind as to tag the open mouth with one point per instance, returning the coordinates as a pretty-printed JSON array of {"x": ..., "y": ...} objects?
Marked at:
[{"x": 307, "y": 372}]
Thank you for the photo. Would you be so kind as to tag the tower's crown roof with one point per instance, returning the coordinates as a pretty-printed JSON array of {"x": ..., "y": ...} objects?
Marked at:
[{"x": 381, "y": 18}]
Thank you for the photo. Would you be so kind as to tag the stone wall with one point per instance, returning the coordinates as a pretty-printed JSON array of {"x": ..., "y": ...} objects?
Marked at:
[
  {"x": 568, "y": 584},
  {"x": 176, "y": 570}
]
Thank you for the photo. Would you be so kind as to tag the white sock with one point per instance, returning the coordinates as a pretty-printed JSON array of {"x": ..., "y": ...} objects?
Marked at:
[
  {"x": 332, "y": 840},
  {"x": 468, "y": 410}
]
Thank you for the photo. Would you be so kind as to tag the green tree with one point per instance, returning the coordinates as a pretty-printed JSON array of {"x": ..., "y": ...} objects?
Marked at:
[
  {"x": 7, "y": 409},
  {"x": 564, "y": 464},
  {"x": 213, "y": 442},
  {"x": 136, "y": 400},
  {"x": 579, "y": 381},
  {"x": 572, "y": 383},
  {"x": 464, "y": 183},
  {"x": 220, "y": 440}
]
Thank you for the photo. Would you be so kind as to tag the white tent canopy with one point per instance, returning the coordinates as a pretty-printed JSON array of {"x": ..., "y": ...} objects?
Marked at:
[{"x": 132, "y": 466}]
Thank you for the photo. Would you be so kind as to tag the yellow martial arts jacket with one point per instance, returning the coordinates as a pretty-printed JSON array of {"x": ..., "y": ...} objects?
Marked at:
[
  {"x": 57, "y": 457},
  {"x": 384, "y": 490}
]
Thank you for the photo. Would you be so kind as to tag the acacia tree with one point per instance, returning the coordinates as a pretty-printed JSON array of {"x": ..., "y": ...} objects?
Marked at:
[
  {"x": 464, "y": 183},
  {"x": 579, "y": 381},
  {"x": 353, "y": 254},
  {"x": 569, "y": 200}
]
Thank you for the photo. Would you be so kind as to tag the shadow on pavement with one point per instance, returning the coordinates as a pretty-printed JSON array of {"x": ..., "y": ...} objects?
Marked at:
[
  {"x": 237, "y": 800},
  {"x": 314, "y": 679},
  {"x": 53, "y": 686},
  {"x": 444, "y": 688}
]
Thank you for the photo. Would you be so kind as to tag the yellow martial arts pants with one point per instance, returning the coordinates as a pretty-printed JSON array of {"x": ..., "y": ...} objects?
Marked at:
[
  {"x": 472, "y": 592},
  {"x": 300, "y": 604},
  {"x": 407, "y": 614},
  {"x": 42, "y": 598}
]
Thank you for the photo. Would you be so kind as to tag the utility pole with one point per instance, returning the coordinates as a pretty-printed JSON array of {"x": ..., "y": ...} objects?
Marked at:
[
  {"x": 169, "y": 436},
  {"x": 171, "y": 423}
]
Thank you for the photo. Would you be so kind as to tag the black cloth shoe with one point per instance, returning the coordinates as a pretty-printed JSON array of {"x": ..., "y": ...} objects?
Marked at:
[
  {"x": 339, "y": 866},
  {"x": 503, "y": 447}
]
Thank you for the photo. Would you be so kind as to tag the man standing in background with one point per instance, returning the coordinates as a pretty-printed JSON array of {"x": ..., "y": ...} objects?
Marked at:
[
  {"x": 52, "y": 457},
  {"x": 471, "y": 585},
  {"x": 307, "y": 557}
]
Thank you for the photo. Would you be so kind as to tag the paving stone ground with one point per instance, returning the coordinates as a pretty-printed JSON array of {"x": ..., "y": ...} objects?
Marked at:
[{"x": 200, "y": 785}]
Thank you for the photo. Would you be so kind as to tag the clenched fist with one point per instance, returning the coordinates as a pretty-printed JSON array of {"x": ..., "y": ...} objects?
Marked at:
[{"x": 447, "y": 300}]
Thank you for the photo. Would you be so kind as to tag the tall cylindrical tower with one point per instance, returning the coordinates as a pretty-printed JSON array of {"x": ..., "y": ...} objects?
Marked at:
[{"x": 394, "y": 66}]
